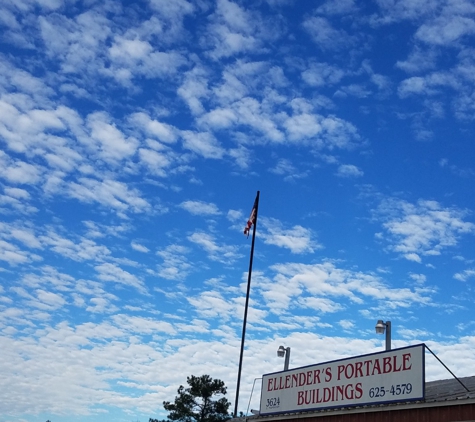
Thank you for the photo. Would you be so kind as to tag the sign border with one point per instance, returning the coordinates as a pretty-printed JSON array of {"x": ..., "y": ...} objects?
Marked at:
[{"x": 377, "y": 403}]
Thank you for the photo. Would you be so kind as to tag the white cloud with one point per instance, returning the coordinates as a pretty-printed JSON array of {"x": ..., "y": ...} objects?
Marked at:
[
  {"x": 202, "y": 143},
  {"x": 124, "y": 50},
  {"x": 320, "y": 305},
  {"x": 110, "y": 193},
  {"x": 139, "y": 247},
  {"x": 446, "y": 30},
  {"x": 212, "y": 305},
  {"x": 285, "y": 168},
  {"x": 349, "y": 170},
  {"x": 108, "y": 142},
  {"x": 77, "y": 43},
  {"x": 406, "y": 9},
  {"x": 164, "y": 132},
  {"x": 297, "y": 238},
  {"x": 12, "y": 254},
  {"x": 303, "y": 126},
  {"x": 26, "y": 236},
  {"x": 216, "y": 251},
  {"x": 251, "y": 113},
  {"x": 156, "y": 162},
  {"x": 419, "y": 60},
  {"x": 322, "y": 74},
  {"x": 17, "y": 193},
  {"x": 413, "y": 257},
  {"x": 140, "y": 325},
  {"x": 465, "y": 275},
  {"x": 78, "y": 249},
  {"x": 418, "y": 278},
  {"x": 422, "y": 229},
  {"x": 16, "y": 200},
  {"x": 175, "y": 264},
  {"x": 194, "y": 89},
  {"x": 133, "y": 57},
  {"x": 346, "y": 324},
  {"x": 115, "y": 274},
  {"x": 99, "y": 305},
  {"x": 18, "y": 172},
  {"x": 47, "y": 301},
  {"x": 325, "y": 35},
  {"x": 219, "y": 118},
  {"x": 234, "y": 30},
  {"x": 341, "y": 7},
  {"x": 354, "y": 90},
  {"x": 242, "y": 157},
  {"x": 110, "y": 109},
  {"x": 330, "y": 289},
  {"x": 200, "y": 208}
]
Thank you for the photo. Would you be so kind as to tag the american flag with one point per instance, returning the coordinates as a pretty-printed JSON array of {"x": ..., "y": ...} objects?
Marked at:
[{"x": 251, "y": 220}]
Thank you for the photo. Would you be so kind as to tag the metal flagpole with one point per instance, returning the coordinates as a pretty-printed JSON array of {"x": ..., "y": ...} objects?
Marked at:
[{"x": 255, "y": 208}]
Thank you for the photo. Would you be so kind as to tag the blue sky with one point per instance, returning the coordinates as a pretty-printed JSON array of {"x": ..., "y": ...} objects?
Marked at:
[{"x": 134, "y": 137}]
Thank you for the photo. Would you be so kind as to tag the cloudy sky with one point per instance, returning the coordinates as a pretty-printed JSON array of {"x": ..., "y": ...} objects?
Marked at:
[{"x": 134, "y": 136}]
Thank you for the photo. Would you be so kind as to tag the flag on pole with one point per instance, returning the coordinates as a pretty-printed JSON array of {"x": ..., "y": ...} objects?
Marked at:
[{"x": 251, "y": 220}]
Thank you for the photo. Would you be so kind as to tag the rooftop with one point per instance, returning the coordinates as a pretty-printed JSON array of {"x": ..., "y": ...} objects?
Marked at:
[
  {"x": 450, "y": 389},
  {"x": 446, "y": 391}
]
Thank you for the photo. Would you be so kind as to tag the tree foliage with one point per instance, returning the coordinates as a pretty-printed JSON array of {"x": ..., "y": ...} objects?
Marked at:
[{"x": 202, "y": 401}]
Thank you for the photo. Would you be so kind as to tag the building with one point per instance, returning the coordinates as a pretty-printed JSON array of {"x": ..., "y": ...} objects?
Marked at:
[
  {"x": 386, "y": 386},
  {"x": 445, "y": 401}
]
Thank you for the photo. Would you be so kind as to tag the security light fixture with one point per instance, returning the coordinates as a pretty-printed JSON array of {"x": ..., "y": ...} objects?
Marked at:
[
  {"x": 382, "y": 327},
  {"x": 284, "y": 352}
]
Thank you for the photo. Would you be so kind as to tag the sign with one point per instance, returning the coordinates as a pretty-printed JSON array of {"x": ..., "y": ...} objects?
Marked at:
[{"x": 391, "y": 376}]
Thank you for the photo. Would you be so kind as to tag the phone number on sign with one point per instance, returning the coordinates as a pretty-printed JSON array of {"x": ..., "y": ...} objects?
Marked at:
[{"x": 395, "y": 390}]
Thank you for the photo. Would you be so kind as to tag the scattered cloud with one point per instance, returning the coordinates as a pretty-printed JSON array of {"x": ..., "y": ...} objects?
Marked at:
[
  {"x": 139, "y": 247},
  {"x": 113, "y": 115},
  {"x": 200, "y": 208},
  {"x": 297, "y": 238},
  {"x": 422, "y": 229},
  {"x": 349, "y": 170},
  {"x": 465, "y": 275}
]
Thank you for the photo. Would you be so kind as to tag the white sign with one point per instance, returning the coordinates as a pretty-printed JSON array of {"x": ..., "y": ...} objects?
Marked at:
[{"x": 395, "y": 375}]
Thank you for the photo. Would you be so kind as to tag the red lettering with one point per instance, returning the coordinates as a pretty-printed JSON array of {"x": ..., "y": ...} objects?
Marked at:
[
  {"x": 301, "y": 379},
  {"x": 387, "y": 365},
  {"x": 281, "y": 386},
  {"x": 358, "y": 370},
  {"x": 341, "y": 368},
  {"x": 359, "y": 391},
  {"x": 287, "y": 381},
  {"x": 367, "y": 363},
  {"x": 327, "y": 394},
  {"x": 340, "y": 393},
  {"x": 376, "y": 367},
  {"x": 295, "y": 379},
  {"x": 300, "y": 398},
  {"x": 349, "y": 395},
  {"x": 349, "y": 374},
  {"x": 328, "y": 374},
  {"x": 269, "y": 385},
  {"x": 395, "y": 368},
  {"x": 317, "y": 397},
  {"x": 309, "y": 377},
  {"x": 308, "y": 397},
  {"x": 405, "y": 358},
  {"x": 316, "y": 376}
]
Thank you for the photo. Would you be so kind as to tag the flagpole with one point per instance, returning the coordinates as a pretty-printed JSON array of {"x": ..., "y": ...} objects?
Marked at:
[{"x": 256, "y": 207}]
